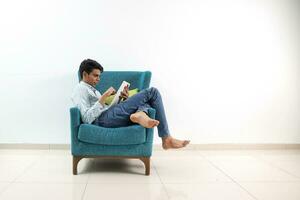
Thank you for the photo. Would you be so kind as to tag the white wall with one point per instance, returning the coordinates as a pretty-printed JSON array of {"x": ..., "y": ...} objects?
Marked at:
[{"x": 228, "y": 70}]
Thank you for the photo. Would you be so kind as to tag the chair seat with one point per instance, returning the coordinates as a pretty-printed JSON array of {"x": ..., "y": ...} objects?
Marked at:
[{"x": 134, "y": 134}]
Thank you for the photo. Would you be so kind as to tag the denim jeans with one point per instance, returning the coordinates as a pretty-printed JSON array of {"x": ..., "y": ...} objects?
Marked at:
[{"x": 119, "y": 115}]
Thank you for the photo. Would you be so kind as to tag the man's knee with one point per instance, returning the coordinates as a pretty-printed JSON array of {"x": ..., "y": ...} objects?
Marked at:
[
  {"x": 153, "y": 92},
  {"x": 153, "y": 89}
]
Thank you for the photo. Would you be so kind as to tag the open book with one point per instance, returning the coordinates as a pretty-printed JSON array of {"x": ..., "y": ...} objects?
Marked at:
[{"x": 118, "y": 93}]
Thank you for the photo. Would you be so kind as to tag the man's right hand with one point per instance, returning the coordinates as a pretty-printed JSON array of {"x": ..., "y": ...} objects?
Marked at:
[{"x": 107, "y": 93}]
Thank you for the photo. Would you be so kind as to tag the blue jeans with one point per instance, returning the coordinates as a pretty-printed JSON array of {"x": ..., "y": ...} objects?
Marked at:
[{"x": 119, "y": 115}]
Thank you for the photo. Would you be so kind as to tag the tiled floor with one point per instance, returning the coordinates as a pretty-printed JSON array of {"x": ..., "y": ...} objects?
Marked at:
[{"x": 175, "y": 174}]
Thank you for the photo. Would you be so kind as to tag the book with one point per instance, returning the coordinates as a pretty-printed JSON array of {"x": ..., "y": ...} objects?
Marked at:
[{"x": 116, "y": 98}]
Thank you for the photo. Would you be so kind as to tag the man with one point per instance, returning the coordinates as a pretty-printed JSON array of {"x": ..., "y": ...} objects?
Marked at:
[{"x": 133, "y": 110}]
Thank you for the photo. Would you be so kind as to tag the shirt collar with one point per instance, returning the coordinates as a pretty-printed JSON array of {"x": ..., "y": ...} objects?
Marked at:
[{"x": 88, "y": 85}]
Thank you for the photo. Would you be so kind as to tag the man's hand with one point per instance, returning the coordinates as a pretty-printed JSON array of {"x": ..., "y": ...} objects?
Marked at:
[
  {"x": 107, "y": 93},
  {"x": 124, "y": 93}
]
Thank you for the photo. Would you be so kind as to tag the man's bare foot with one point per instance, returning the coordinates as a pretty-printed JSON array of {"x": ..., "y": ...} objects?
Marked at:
[
  {"x": 171, "y": 143},
  {"x": 143, "y": 119}
]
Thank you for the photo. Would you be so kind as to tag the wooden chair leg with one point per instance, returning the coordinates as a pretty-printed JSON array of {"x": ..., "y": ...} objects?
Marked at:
[
  {"x": 76, "y": 160},
  {"x": 146, "y": 161}
]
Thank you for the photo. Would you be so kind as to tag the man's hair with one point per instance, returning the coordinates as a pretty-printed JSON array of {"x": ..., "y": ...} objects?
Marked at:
[{"x": 88, "y": 65}]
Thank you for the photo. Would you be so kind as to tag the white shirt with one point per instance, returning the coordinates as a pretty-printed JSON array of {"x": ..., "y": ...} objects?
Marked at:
[{"x": 86, "y": 98}]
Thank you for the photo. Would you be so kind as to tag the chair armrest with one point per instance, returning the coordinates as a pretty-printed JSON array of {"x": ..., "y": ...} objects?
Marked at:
[
  {"x": 75, "y": 121},
  {"x": 149, "y": 131}
]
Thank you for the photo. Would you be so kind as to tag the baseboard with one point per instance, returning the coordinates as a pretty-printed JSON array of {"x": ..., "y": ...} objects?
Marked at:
[
  {"x": 158, "y": 147},
  {"x": 34, "y": 146},
  {"x": 228, "y": 146}
]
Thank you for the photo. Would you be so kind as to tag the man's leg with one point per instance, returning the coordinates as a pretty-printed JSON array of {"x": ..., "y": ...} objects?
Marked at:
[
  {"x": 155, "y": 101},
  {"x": 119, "y": 114},
  {"x": 153, "y": 98},
  {"x": 129, "y": 111}
]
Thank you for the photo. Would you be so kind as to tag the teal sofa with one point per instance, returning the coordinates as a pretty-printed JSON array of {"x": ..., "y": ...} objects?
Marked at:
[{"x": 134, "y": 141}]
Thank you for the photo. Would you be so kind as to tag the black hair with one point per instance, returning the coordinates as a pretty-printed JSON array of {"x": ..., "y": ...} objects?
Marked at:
[{"x": 88, "y": 65}]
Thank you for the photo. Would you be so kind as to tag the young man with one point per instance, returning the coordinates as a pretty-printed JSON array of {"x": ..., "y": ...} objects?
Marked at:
[{"x": 133, "y": 110}]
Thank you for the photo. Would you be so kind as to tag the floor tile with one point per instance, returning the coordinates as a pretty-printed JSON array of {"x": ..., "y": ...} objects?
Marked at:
[
  {"x": 3, "y": 186},
  {"x": 211, "y": 191},
  {"x": 12, "y": 166},
  {"x": 273, "y": 190},
  {"x": 187, "y": 170},
  {"x": 121, "y": 171},
  {"x": 177, "y": 153},
  {"x": 56, "y": 169},
  {"x": 230, "y": 155},
  {"x": 276, "y": 155},
  {"x": 186, "y": 174},
  {"x": 290, "y": 166},
  {"x": 115, "y": 191},
  {"x": 230, "y": 152},
  {"x": 35, "y": 191},
  {"x": 247, "y": 169}
]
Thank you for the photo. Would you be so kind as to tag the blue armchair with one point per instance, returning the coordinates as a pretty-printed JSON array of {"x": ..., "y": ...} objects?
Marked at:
[{"x": 134, "y": 141}]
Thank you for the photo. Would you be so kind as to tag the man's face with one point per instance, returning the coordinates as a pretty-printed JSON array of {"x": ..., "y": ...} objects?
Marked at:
[{"x": 93, "y": 78}]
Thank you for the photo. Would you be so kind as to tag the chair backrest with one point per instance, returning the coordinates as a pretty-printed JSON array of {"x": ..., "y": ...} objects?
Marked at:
[{"x": 137, "y": 79}]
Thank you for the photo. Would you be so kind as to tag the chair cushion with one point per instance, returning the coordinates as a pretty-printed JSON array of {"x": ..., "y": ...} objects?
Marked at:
[{"x": 134, "y": 134}]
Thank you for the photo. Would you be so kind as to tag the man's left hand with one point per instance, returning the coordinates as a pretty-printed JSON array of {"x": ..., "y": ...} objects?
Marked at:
[{"x": 124, "y": 93}]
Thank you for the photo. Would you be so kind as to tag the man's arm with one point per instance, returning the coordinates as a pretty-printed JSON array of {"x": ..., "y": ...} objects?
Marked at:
[
  {"x": 106, "y": 94},
  {"x": 81, "y": 99}
]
